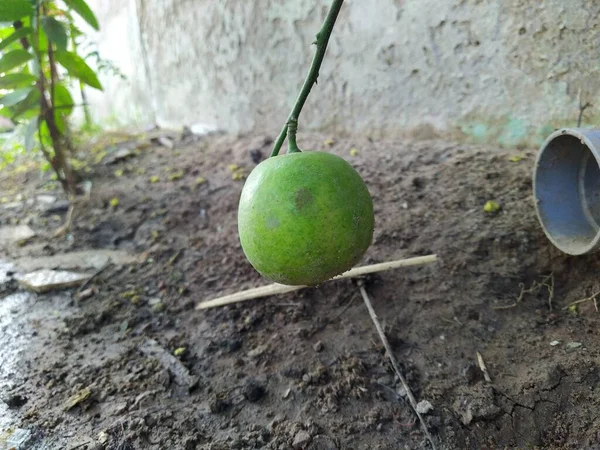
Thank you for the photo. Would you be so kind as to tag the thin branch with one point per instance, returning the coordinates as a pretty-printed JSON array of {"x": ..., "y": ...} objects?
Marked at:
[
  {"x": 583, "y": 300},
  {"x": 582, "y": 108},
  {"x": 395, "y": 365},
  {"x": 313, "y": 73},
  {"x": 276, "y": 288}
]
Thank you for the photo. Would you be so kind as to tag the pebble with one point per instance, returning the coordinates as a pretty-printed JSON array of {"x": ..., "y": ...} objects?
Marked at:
[
  {"x": 318, "y": 347},
  {"x": 424, "y": 407},
  {"x": 301, "y": 440},
  {"x": 573, "y": 345}
]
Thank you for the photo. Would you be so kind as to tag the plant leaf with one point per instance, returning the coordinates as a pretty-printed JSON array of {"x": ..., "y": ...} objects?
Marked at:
[
  {"x": 21, "y": 32},
  {"x": 78, "y": 68},
  {"x": 15, "y": 97},
  {"x": 16, "y": 80},
  {"x": 55, "y": 32},
  {"x": 28, "y": 106},
  {"x": 14, "y": 59},
  {"x": 30, "y": 133},
  {"x": 83, "y": 9},
  {"x": 12, "y": 10},
  {"x": 63, "y": 102},
  {"x": 59, "y": 121}
]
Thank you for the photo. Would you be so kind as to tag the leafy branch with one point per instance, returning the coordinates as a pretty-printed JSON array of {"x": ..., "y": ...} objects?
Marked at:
[
  {"x": 322, "y": 40},
  {"x": 38, "y": 58}
]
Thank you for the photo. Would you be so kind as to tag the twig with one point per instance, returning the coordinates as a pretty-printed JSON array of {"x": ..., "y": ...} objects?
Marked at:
[
  {"x": 313, "y": 73},
  {"x": 87, "y": 283},
  {"x": 276, "y": 288},
  {"x": 395, "y": 365},
  {"x": 583, "y": 300},
  {"x": 547, "y": 282},
  {"x": 483, "y": 368},
  {"x": 582, "y": 108}
]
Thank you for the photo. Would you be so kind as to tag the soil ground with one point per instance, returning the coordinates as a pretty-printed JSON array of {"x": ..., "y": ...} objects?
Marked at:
[{"x": 306, "y": 369}]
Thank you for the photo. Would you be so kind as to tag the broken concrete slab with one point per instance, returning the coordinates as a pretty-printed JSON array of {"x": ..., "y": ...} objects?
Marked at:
[
  {"x": 121, "y": 154},
  {"x": 81, "y": 260},
  {"x": 15, "y": 234},
  {"x": 47, "y": 280}
]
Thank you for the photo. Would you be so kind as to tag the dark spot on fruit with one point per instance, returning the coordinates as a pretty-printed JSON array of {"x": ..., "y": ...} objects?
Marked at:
[{"x": 303, "y": 198}]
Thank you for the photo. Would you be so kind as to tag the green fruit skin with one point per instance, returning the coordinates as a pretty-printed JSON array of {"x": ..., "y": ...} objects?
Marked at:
[{"x": 304, "y": 218}]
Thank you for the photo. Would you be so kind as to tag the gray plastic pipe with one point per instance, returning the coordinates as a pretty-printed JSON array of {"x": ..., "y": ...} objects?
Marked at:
[{"x": 566, "y": 187}]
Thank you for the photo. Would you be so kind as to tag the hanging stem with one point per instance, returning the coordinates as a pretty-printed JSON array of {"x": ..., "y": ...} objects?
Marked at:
[
  {"x": 311, "y": 78},
  {"x": 292, "y": 127}
]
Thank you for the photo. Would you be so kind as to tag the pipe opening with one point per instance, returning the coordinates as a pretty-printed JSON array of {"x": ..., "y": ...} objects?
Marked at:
[{"x": 567, "y": 193}]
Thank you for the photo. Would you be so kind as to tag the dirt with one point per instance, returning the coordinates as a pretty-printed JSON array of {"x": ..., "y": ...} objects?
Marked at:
[{"x": 304, "y": 370}]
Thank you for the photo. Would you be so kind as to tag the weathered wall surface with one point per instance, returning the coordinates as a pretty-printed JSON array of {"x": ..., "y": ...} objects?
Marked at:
[{"x": 506, "y": 70}]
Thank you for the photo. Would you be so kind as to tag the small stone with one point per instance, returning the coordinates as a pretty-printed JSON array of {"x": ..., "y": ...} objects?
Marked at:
[
  {"x": 424, "y": 407},
  {"x": 118, "y": 155},
  {"x": 554, "y": 343},
  {"x": 19, "y": 233},
  {"x": 102, "y": 438},
  {"x": 401, "y": 392},
  {"x": 573, "y": 345},
  {"x": 322, "y": 442},
  {"x": 46, "y": 280},
  {"x": 287, "y": 393},
  {"x": 318, "y": 347},
  {"x": 301, "y": 440},
  {"x": 258, "y": 351},
  {"x": 253, "y": 390}
]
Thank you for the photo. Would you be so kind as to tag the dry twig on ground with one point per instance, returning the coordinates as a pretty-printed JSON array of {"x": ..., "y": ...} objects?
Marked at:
[
  {"x": 395, "y": 365},
  {"x": 274, "y": 289}
]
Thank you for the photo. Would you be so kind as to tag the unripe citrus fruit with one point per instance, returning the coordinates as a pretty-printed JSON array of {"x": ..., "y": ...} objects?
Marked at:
[{"x": 304, "y": 217}]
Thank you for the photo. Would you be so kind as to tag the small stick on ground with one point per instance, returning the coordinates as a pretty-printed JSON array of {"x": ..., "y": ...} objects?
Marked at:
[
  {"x": 547, "y": 282},
  {"x": 483, "y": 367},
  {"x": 582, "y": 108},
  {"x": 87, "y": 283},
  {"x": 395, "y": 365},
  {"x": 583, "y": 300},
  {"x": 276, "y": 288}
]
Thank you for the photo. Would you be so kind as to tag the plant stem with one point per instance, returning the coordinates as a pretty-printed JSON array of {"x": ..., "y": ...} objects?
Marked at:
[
  {"x": 292, "y": 127},
  {"x": 311, "y": 78}
]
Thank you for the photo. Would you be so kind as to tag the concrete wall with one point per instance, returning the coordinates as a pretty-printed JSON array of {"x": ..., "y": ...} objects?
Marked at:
[{"x": 499, "y": 70}]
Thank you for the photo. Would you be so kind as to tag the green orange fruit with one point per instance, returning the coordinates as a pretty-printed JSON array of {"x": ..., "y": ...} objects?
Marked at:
[{"x": 304, "y": 218}]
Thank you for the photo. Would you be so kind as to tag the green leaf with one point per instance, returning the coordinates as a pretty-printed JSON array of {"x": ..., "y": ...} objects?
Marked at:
[
  {"x": 63, "y": 102},
  {"x": 59, "y": 121},
  {"x": 14, "y": 59},
  {"x": 15, "y": 97},
  {"x": 20, "y": 33},
  {"x": 83, "y": 9},
  {"x": 12, "y": 10},
  {"x": 16, "y": 80},
  {"x": 28, "y": 107},
  {"x": 30, "y": 133},
  {"x": 55, "y": 32},
  {"x": 78, "y": 68}
]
